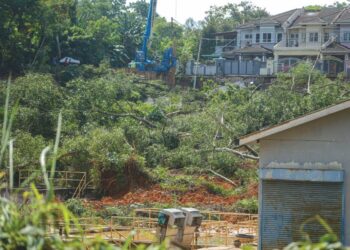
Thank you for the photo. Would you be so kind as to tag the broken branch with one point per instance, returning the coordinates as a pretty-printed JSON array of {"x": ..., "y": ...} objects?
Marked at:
[{"x": 236, "y": 152}]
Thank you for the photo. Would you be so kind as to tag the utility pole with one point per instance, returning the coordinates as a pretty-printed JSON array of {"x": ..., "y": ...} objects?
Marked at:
[{"x": 197, "y": 64}]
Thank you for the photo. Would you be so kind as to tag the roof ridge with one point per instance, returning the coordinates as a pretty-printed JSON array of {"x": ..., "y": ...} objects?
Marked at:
[{"x": 339, "y": 15}]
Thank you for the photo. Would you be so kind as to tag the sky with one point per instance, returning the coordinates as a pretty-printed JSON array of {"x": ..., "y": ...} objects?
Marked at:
[{"x": 181, "y": 10}]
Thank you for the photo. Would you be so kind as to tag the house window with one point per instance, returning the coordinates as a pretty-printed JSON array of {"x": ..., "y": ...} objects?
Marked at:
[
  {"x": 346, "y": 36},
  {"x": 313, "y": 37},
  {"x": 279, "y": 37},
  {"x": 248, "y": 36},
  {"x": 294, "y": 40},
  {"x": 267, "y": 37},
  {"x": 257, "y": 38},
  {"x": 303, "y": 37},
  {"x": 325, "y": 37}
]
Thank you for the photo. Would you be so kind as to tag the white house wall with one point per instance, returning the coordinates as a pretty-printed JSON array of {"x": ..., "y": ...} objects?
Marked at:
[{"x": 242, "y": 42}]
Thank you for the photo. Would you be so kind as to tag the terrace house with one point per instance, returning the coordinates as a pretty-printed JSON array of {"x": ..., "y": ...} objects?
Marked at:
[
  {"x": 322, "y": 34},
  {"x": 283, "y": 40},
  {"x": 255, "y": 39}
]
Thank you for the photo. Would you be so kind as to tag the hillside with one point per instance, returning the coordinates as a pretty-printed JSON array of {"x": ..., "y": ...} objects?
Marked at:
[{"x": 137, "y": 139}]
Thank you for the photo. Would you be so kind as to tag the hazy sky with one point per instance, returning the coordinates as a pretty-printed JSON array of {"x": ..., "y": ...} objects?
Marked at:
[{"x": 183, "y": 9}]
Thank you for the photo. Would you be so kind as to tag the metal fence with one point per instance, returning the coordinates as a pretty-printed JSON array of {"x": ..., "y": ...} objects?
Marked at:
[
  {"x": 217, "y": 229},
  {"x": 226, "y": 67},
  {"x": 223, "y": 67}
]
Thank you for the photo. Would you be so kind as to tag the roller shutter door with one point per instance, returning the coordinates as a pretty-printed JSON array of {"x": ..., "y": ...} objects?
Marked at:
[{"x": 286, "y": 205}]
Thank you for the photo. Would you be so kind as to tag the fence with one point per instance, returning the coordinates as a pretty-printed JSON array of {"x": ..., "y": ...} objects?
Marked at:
[
  {"x": 62, "y": 180},
  {"x": 226, "y": 68},
  {"x": 217, "y": 229},
  {"x": 223, "y": 67}
]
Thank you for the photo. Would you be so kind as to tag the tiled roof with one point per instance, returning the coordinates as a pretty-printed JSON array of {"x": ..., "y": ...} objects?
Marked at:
[
  {"x": 325, "y": 16},
  {"x": 336, "y": 48},
  {"x": 344, "y": 17},
  {"x": 282, "y": 17},
  {"x": 278, "y": 19},
  {"x": 248, "y": 50}
]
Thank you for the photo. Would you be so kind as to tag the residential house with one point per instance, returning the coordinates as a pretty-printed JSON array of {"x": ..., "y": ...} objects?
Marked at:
[
  {"x": 254, "y": 39},
  {"x": 316, "y": 34},
  {"x": 289, "y": 37}
]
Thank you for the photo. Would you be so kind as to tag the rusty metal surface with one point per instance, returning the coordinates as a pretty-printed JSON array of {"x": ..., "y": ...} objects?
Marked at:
[{"x": 287, "y": 205}]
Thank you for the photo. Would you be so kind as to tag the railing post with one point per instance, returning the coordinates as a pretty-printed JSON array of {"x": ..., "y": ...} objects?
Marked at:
[
  {"x": 226, "y": 233},
  {"x": 19, "y": 179},
  {"x": 84, "y": 182},
  {"x": 110, "y": 225},
  {"x": 149, "y": 218}
]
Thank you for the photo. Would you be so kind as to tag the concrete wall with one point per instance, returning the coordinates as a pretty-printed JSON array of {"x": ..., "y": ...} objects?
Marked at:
[
  {"x": 322, "y": 141},
  {"x": 263, "y": 29}
]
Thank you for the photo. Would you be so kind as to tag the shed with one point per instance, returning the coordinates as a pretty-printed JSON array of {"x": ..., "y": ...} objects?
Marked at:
[{"x": 304, "y": 171}]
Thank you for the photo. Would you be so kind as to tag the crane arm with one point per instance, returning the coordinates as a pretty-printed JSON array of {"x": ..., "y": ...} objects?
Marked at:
[{"x": 150, "y": 20}]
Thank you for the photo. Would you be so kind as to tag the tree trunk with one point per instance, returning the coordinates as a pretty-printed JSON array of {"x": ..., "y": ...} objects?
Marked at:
[
  {"x": 37, "y": 52},
  {"x": 58, "y": 47}
]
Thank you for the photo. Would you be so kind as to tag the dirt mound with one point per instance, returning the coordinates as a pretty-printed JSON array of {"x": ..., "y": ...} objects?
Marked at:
[
  {"x": 197, "y": 196},
  {"x": 119, "y": 184},
  {"x": 203, "y": 197},
  {"x": 155, "y": 194},
  {"x": 140, "y": 196}
]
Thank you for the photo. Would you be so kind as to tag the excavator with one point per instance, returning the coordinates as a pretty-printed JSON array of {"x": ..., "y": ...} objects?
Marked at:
[{"x": 142, "y": 62}]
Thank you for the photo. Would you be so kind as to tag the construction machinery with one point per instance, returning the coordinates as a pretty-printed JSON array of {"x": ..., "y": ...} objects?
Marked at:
[{"x": 142, "y": 62}]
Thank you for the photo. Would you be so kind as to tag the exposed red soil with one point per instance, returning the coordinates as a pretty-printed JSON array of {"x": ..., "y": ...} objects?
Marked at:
[
  {"x": 197, "y": 196},
  {"x": 253, "y": 190}
]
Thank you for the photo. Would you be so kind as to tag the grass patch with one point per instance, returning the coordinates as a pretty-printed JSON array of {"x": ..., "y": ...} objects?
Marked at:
[
  {"x": 247, "y": 206},
  {"x": 217, "y": 190}
]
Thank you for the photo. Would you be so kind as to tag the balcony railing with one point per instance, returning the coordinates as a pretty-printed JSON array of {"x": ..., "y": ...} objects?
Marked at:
[{"x": 298, "y": 44}]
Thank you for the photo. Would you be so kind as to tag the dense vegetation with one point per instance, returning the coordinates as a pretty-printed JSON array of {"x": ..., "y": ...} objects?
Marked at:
[
  {"x": 117, "y": 124},
  {"x": 114, "y": 123},
  {"x": 120, "y": 128},
  {"x": 35, "y": 34}
]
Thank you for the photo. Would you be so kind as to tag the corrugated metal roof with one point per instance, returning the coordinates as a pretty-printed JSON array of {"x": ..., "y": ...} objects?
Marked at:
[{"x": 253, "y": 137}]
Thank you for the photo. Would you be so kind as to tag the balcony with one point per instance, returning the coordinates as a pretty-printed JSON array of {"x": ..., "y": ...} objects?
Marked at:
[{"x": 293, "y": 46}]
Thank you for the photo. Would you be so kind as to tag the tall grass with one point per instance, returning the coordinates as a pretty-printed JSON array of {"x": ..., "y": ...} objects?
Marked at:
[{"x": 6, "y": 133}]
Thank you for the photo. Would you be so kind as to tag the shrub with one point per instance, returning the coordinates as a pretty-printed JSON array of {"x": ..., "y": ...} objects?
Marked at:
[
  {"x": 247, "y": 206},
  {"x": 76, "y": 206}
]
